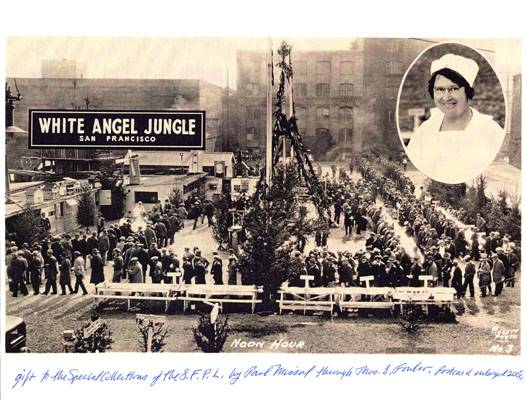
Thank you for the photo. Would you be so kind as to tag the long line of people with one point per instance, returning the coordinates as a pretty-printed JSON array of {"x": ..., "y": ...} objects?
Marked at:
[{"x": 442, "y": 243}]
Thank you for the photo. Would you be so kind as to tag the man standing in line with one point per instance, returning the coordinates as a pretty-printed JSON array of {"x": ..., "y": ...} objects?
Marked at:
[
  {"x": 469, "y": 274},
  {"x": 79, "y": 270},
  {"x": 498, "y": 274}
]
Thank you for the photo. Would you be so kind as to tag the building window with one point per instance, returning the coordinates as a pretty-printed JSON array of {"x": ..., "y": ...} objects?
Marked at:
[
  {"x": 301, "y": 119},
  {"x": 345, "y": 113},
  {"x": 300, "y": 89},
  {"x": 322, "y": 131},
  {"x": 322, "y": 89},
  {"x": 394, "y": 67},
  {"x": 391, "y": 92},
  {"x": 323, "y": 67},
  {"x": 251, "y": 134},
  {"x": 390, "y": 116},
  {"x": 346, "y": 68},
  {"x": 300, "y": 67},
  {"x": 245, "y": 185},
  {"x": 252, "y": 89},
  {"x": 345, "y": 135},
  {"x": 346, "y": 89},
  {"x": 322, "y": 113},
  {"x": 146, "y": 197},
  {"x": 254, "y": 67},
  {"x": 253, "y": 113}
]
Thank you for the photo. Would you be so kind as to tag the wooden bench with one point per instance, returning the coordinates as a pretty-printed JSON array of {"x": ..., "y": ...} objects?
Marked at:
[
  {"x": 306, "y": 299},
  {"x": 241, "y": 294},
  {"x": 136, "y": 291},
  {"x": 424, "y": 296}
]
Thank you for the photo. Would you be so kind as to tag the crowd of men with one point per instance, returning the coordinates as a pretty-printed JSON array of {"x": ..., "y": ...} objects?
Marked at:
[
  {"x": 137, "y": 254},
  {"x": 143, "y": 254},
  {"x": 442, "y": 242}
]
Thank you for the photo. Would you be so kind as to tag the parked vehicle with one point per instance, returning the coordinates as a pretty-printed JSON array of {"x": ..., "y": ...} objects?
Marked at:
[{"x": 15, "y": 335}]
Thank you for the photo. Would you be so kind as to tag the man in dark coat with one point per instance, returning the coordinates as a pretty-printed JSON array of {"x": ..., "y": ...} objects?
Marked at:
[
  {"x": 18, "y": 269},
  {"x": 97, "y": 268},
  {"x": 93, "y": 243},
  {"x": 456, "y": 280},
  {"x": 161, "y": 232},
  {"x": 65, "y": 276},
  {"x": 152, "y": 252},
  {"x": 104, "y": 245},
  {"x": 497, "y": 274},
  {"x": 416, "y": 271},
  {"x": 51, "y": 271},
  {"x": 217, "y": 269},
  {"x": 149, "y": 235},
  {"x": 469, "y": 273}
]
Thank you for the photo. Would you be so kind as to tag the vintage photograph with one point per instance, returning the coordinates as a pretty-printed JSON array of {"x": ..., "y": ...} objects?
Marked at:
[
  {"x": 461, "y": 135},
  {"x": 346, "y": 195}
]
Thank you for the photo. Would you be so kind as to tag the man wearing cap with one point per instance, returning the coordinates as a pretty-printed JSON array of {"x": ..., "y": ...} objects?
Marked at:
[
  {"x": 441, "y": 146},
  {"x": 135, "y": 271}
]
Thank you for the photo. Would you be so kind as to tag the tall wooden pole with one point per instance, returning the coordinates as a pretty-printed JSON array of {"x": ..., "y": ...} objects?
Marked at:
[{"x": 268, "y": 158}]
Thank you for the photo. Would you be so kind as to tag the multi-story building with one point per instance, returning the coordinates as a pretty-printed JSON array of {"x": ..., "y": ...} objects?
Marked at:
[
  {"x": 345, "y": 100},
  {"x": 328, "y": 86}
]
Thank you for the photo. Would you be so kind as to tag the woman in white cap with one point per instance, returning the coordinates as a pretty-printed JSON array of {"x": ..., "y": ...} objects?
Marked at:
[{"x": 457, "y": 142}]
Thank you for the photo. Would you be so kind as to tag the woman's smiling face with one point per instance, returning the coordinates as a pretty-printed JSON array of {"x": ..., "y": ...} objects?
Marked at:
[{"x": 450, "y": 98}]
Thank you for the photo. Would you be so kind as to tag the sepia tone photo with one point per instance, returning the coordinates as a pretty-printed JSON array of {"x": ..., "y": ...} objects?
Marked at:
[
  {"x": 350, "y": 195},
  {"x": 462, "y": 84}
]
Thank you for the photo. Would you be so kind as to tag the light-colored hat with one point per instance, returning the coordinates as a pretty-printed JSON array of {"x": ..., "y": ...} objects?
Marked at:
[{"x": 466, "y": 67}]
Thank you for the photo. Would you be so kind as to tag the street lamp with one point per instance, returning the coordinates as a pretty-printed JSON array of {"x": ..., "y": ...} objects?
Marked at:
[{"x": 10, "y": 129}]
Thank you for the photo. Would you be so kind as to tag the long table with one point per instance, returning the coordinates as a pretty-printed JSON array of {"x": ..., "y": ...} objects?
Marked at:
[
  {"x": 208, "y": 294},
  {"x": 326, "y": 298}
]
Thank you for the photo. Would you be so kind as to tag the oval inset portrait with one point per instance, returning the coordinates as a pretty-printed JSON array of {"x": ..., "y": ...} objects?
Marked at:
[{"x": 451, "y": 113}]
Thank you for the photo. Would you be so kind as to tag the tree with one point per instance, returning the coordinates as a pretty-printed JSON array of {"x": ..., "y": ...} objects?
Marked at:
[
  {"x": 266, "y": 260},
  {"x": 86, "y": 208},
  {"x": 176, "y": 197},
  {"x": 27, "y": 227},
  {"x": 211, "y": 336},
  {"x": 100, "y": 341},
  {"x": 223, "y": 220}
]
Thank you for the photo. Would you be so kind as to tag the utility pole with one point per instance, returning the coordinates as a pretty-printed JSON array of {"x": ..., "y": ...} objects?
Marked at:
[{"x": 268, "y": 158}]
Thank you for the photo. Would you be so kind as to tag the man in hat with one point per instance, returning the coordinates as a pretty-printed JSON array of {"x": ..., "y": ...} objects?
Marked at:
[
  {"x": 97, "y": 268},
  {"x": 484, "y": 274},
  {"x": 447, "y": 267},
  {"x": 217, "y": 269},
  {"x": 201, "y": 267},
  {"x": 498, "y": 273},
  {"x": 18, "y": 268},
  {"x": 232, "y": 267},
  {"x": 35, "y": 271},
  {"x": 50, "y": 272},
  {"x": 79, "y": 271},
  {"x": 135, "y": 271},
  {"x": 469, "y": 274},
  {"x": 118, "y": 265},
  {"x": 416, "y": 271},
  {"x": 156, "y": 270}
]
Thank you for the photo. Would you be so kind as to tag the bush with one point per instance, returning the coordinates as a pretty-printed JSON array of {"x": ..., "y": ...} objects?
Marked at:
[
  {"x": 211, "y": 337},
  {"x": 86, "y": 208}
]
